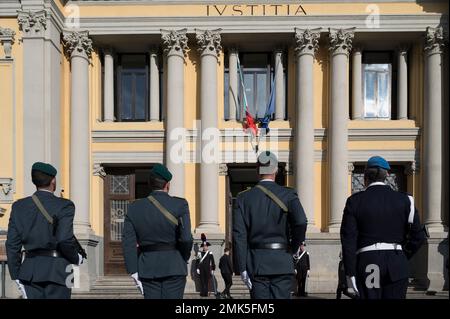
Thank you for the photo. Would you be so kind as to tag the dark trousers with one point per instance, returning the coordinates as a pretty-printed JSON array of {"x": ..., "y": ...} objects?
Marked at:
[
  {"x": 204, "y": 283},
  {"x": 228, "y": 279},
  {"x": 171, "y": 287},
  {"x": 391, "y": 276},
  {"x": 271, "y": 287},
  {"x": 301, "y": 283},
  {"x": 46, "y": 290}
]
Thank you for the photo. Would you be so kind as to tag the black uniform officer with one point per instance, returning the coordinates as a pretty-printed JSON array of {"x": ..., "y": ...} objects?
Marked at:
[
  {"x": 380, "y": 230},
  {"x": 226, "y": 270},
  {"x": 269, "y": 225},
  {"x": 160, "y": 225},
  {"x": 49, "y": 249},
  {"x": 205, "y": 267},
  {"x": 302, "y": 267}
]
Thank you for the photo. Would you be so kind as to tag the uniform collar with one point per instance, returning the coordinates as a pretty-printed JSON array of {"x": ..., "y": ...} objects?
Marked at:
[
  {"x": 159, "y": 191},
  {"x": 377, "y": 184},
  {"x": 44, "y": 190},
  {"x": 267, "y": 180}
]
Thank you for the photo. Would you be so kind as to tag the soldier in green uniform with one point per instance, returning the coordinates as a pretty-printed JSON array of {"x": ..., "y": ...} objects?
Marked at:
[
  {"x": 269, "y": 225},
  {"x": 160, "y": 226},
  {"x": 49, "y": 246}
]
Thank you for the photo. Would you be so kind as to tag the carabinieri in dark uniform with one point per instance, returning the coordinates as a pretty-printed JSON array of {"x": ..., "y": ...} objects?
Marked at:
[
  {"x": 302, "y": 267},
  {"x": 380, "y": 231},
  {"x": 160, "y": 225},
  {"x": 269, "y": 225},
  {"x": 49, "y": 249},
  {"x": 205, "y": 267}
]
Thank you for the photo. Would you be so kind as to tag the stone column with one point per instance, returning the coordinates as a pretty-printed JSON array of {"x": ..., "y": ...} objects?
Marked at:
[
  {"x": 432, "y": 135},
  {"x": 402, "y": 83},
  {"x": 79, "y": 48},
  {"x": 279, "y": 86},
  {"x": 306, "y": 45},
  {"x": 233, "y": 79},
  {"x": 175, "y": 46},
  {"x": 108, "y": 90},
  {"x": 154, "y": 85},
  {"x": 357, "y": 91},
  {"x": 41, "y": 44},
  {"x": 209, "y": 46},
  {"x": 340, "y": 46}
]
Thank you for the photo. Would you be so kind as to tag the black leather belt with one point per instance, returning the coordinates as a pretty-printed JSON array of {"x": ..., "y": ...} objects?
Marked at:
[
  {"x": 42, "y": 252},
  {"x": 157, "y": 247},
  {"x": 274, "y": 246}
]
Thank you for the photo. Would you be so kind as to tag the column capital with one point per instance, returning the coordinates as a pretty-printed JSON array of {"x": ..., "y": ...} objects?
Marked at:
[
  {"x": 341, "y": 40},
  {"x": 108, "y": 51},
  {"x": 435, "y": 40},
  {"x": 351, "y": 168},
  {"x": 412, "y": 168},
  {"x": 288, "y": 169},
  {"x": 306, "y": 41},
  {"x": 233, "y": 50},
  {"x": 98, "y": 170},
  {"x": 209, "y": 41},
  {"x": 153, "y": 49},
  {"x": 7, "y": 40},
  {"x": 223, "y": 169},
  {"x": 403, "y": 48},
  {"x": 175, "y": 42},
  {"x": 78, "y": 43},
  {"x": 33, "y": 23},
  {"x": 357, "y": 48}
]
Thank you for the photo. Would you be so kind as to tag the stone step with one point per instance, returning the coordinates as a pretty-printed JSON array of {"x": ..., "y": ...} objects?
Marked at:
[{"x": 122, "y": 287}]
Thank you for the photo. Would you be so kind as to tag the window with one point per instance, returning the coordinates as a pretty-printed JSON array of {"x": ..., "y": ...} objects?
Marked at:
[
  {"x": 132, "y": 88},
  {"x": 377, "y": 85},
  {"x": 257, "y": 73},
  {"x": 396, "y": 178}
]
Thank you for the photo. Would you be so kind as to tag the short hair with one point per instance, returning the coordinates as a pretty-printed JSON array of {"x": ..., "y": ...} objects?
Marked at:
[
  {"x": 375, "y": 174},
  {"x": 40, "y": 179},
  {"x": 226, "y": 250},
  {"x": 156, "y": 182}
]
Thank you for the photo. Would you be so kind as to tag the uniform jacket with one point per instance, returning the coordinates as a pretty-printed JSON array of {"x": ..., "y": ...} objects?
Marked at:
[
  {"x": 225, "y": 265},
  {"x": 258, "y": 219},
  {"x": 379, "y": 215},
  {"x": 303, "y": 265},
  {"x": 29, "y": 228},
  {"x": 146, "y": 225},
  {"x": 207, "y": 264}
]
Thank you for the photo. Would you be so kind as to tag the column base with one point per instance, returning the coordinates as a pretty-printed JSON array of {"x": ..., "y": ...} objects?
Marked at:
[
  {"x": 208, "y": 229},
  {"x": 436, "y": 228},
  {"x": 437, "y": 259},
  {"x": 88, "y": 271},
  {"x": 334, "y": 228},
  {"x": 312, "y": 228}
]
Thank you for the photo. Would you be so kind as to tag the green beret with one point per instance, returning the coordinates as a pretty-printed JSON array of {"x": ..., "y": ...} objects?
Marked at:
[
  {"x": 162, "y": 171},
  {"x": 44, "y": 168}
]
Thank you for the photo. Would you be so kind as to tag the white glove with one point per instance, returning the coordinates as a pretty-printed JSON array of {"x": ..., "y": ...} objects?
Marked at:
[
  {"x": 246, "y": 279},
  {"x": 198, "y": 271},
  {"x": 138, "y": 283},
  {"x": 21, "y": 288},
  {"x": 80, "y": 259},
  {"x": 351, "y": 283},
  {"x": 295, "y": 271},
  {"x": 212, "y": 272}
]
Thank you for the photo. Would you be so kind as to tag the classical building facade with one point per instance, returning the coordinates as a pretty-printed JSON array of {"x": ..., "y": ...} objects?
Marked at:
[{"x": 103, "y": 90}]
